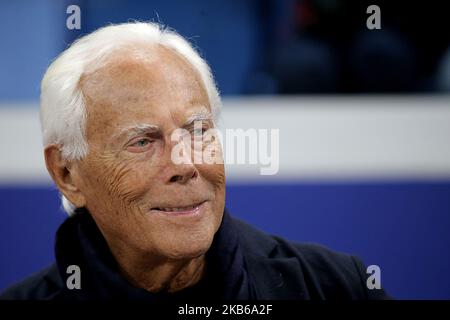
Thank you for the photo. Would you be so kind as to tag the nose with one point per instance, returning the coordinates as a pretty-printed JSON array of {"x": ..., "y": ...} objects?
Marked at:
[
  {"x": 180, "y": 172},
  {"x": 183, "y": 173}
]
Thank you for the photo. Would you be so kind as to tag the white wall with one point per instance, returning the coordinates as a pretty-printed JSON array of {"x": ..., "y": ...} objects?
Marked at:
[{"x": 359, "y": 137}]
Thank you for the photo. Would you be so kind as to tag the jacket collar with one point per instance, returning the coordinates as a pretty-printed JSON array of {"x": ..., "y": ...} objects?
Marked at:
[{"x": 274, "y": 275}]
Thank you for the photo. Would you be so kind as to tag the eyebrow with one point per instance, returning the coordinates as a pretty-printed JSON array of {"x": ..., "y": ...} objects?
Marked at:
[
  {"x": 143, "y": 128},
  {"x": 136, "y": 129},
  {"x": 198, "y": 116}
]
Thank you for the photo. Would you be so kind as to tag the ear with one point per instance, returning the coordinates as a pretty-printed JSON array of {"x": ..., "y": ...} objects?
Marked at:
[{"x": 64, "y": 174}]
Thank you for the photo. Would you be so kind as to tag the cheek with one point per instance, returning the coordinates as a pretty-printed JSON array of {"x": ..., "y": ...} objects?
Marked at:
[
  {"x": 214, "y": 174},
  {"x": 117, "y": 185}
]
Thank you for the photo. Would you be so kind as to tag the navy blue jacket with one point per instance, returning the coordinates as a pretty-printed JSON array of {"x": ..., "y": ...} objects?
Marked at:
[{"x": 244, "y": 264}]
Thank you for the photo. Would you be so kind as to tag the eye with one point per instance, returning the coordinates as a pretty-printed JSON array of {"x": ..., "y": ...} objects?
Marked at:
[
  {"x": 140, "y": 145},
  {"x": 199, "y": 132}
]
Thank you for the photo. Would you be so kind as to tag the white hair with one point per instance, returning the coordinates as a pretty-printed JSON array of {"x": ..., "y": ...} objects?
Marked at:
[{"x": 63, "y": 109}]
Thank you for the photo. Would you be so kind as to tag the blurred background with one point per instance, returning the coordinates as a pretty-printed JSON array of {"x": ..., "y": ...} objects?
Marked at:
[{"x": 364, "y": 119}]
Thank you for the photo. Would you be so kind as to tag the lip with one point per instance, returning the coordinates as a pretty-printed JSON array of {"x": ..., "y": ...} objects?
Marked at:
[{"x": 195, "y": 211}]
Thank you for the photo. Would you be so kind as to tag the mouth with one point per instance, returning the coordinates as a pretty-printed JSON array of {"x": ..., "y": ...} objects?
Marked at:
[{"x": 191, "y": 209}]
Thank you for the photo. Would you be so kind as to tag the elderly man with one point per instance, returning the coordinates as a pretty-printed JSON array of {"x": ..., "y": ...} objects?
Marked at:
[{"x": 143, "y": 226}]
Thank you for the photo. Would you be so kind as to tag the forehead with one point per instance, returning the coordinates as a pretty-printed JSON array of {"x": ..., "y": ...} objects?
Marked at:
[{"x": 152, "y": 84}]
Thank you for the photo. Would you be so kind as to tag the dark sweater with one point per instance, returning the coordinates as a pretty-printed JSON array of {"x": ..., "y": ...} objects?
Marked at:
[{"x": 243, "y": 263}]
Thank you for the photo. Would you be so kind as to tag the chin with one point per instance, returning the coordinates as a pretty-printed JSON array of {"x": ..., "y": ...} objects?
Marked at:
[{"x": 189, "y": 249}]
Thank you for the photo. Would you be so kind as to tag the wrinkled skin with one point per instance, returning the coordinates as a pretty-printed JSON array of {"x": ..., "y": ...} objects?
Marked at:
[{"x": 124, "y": 176}]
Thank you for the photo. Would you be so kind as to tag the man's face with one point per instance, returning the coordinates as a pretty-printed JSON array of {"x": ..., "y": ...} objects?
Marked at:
[{"x": 128, "y": 179}]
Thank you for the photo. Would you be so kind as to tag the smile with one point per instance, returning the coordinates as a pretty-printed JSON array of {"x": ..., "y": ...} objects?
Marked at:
[{"x": 185, "y": 210}]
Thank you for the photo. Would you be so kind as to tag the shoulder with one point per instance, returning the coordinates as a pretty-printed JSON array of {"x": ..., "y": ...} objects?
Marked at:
[
  {"x": 265, "y": 244},
  {"x": 42, "y": 285},
  {"x": 325, "y": 273}
]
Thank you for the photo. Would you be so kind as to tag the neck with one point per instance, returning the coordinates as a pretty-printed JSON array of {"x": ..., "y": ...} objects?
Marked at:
[{"x": 161, "y": 274}]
